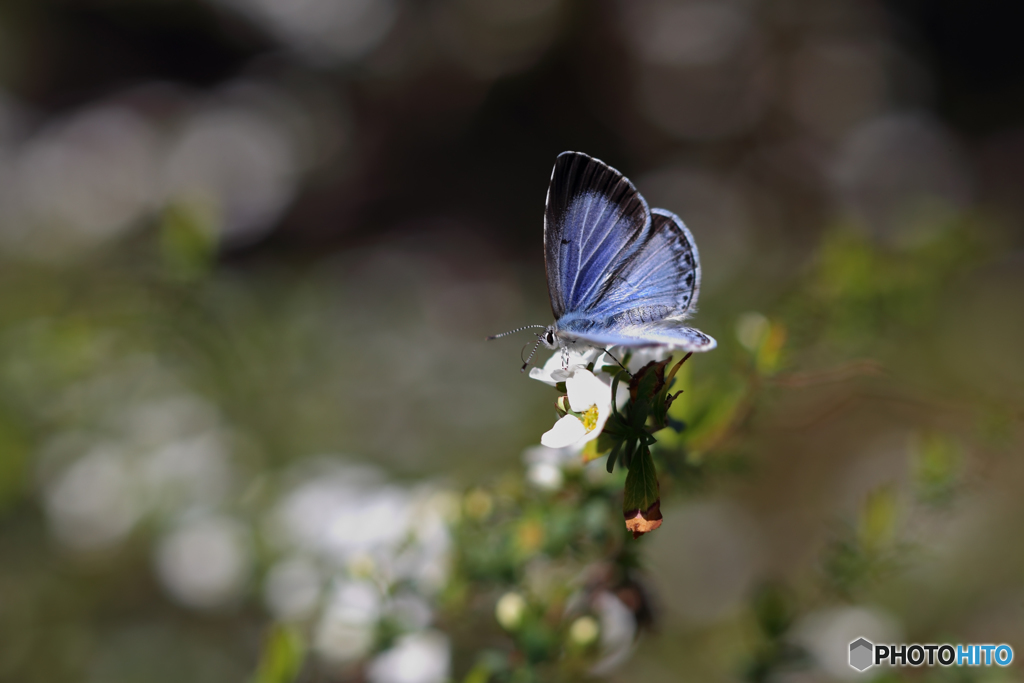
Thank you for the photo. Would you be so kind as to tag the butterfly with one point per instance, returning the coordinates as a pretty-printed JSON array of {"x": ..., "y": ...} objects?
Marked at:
[{"x": 619, "y": 273}]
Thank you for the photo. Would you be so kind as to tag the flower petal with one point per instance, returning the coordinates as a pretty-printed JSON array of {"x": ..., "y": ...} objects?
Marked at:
[
  {"x": 552, "y": 371},
  {"x": 566, "y": 432},
  {"x": 586, "y": 390}
]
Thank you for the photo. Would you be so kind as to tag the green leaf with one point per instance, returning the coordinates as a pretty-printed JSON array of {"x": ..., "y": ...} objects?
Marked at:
[
  {"x": 14, "y": 459},
  {"x": 607, "y": 440},
  {"x": 613, "y": 456},
  {"x": 641, "y": 483},
  {"x": 774, "y": 609},
  {"x": 627, "y": 455},
  {"x": 615, "y": 389},
  {"x": 675, "y": 368},
  {"x": 615, "y": 429},
  {"x": 647, "y": 381},
  {"x": 662, "y": 401},
  {"x": 283, "y": 653},
  {"x": 188, "y": 241},
  {"x": 937, "y": 464},
  {"x": 644, "y": 386},
  {"x": 877, "y": 527},
  {"x": 641, "y": 503}
]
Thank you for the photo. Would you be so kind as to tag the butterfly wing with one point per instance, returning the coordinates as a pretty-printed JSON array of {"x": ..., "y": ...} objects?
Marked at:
[
  {"x": 593, "y": 221},
  {"x": 618, "y": 273},
  {"x": 659, "y": 280},
  {"x": 663, "y": 333}
]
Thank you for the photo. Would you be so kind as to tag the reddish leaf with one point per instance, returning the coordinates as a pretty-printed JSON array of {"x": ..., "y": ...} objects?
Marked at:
[{"x": 642, "y": 521}]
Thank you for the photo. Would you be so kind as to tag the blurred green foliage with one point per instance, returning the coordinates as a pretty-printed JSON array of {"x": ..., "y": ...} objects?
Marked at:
[
  {"x": 563, "y": 553},
  {"x": 282, "y": 656}
]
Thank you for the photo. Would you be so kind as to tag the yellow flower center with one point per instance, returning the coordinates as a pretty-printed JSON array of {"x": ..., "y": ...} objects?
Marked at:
[{"x": 589, "y": 418}]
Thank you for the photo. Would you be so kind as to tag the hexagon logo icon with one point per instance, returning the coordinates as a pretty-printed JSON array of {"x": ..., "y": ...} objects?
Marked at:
[{"x": 861, "y": 651}]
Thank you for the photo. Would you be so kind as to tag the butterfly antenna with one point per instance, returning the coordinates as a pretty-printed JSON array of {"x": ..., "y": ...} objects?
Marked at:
[
  {"x": 518, "y": 329},
  {"x": 526, "y": 362}
]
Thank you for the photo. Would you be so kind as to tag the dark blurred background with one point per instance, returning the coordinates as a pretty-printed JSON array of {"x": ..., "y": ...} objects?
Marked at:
[{"x": 249, "y": 250}]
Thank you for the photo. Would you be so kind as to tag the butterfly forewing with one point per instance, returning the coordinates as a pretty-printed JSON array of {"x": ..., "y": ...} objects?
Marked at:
[{"x": 593, "y": 222}]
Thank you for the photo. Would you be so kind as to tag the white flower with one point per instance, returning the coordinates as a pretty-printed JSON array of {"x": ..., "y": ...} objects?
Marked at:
[
  {"x": 618, "y": 632},
  {"x": 592, "y": 399},
  {"x": 818, "y": 629},
  {"x": 292, "y": 589},
  {"x": 204, "y": 563},
  {"x": 339, "y": 511},
  {"x": 93, "y": 503},
  {"x": 545, "y": 475},
  {"x": 555, "y": 371},
  {"x": 349, "y": 620},
  {"x": 545, "y": 467},
  {"x": 423, "y": 657}
]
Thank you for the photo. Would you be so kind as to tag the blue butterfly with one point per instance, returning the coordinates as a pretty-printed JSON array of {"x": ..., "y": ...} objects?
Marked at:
[{"x": 619, "y": 273}]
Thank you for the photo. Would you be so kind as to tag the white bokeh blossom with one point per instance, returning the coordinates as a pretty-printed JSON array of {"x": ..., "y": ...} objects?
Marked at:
[
  {"x": 347, "y": 625},
  {"x": 590, "y": 399},
  {"x": 348, "y": 515},
  {"x": 204, "y": 563},
  {"x": 423, "y": 657},
  {"x": 617, "y": 632},
  {"x": 546, "y": 467},
  {"x": 292, "y": 588}
]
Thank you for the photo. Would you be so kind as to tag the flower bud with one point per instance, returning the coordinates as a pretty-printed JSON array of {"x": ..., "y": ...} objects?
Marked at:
[
  {"x": 510, "y": 610},
  {"x": 584, "y": 631}
]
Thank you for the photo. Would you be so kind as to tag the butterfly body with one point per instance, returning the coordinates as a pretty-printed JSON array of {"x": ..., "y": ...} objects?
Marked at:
[{"x": 619, "y": 273}]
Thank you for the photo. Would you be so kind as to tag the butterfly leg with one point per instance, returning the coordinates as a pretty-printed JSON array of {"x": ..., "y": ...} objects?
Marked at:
[{"x": 619, "y": 362}]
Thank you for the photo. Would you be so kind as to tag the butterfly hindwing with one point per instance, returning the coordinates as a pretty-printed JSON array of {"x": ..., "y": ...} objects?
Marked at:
[
  {"x": 659, "y": 280},
  {"x": 593, "y": 221},
  {"x": 665, "y": 333}
]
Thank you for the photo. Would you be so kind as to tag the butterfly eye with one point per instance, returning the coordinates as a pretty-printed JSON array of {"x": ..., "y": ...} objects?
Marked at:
[{"x": 549, "y": 338}]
